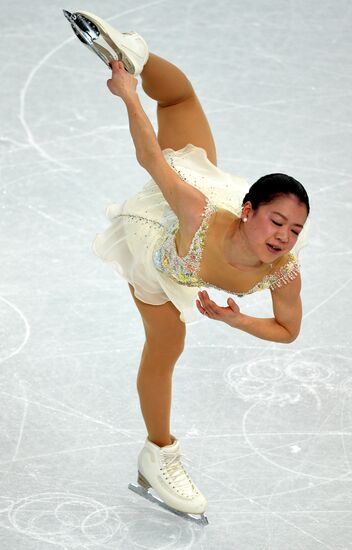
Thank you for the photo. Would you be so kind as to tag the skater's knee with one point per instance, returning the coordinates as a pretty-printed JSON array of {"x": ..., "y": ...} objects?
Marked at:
[
  {"x": 180, "y": 96},
  {"x": 171, "y": 347},
  {"x": 168, "y": 346}
]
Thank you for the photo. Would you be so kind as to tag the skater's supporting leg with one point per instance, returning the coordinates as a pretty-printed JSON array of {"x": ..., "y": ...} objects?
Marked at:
[
  {"x": 165, "y": 335},
  {"x": 181, "y": 119}
]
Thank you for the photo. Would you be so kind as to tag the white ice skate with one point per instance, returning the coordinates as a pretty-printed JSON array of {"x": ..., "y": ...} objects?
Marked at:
[
  {"x": 160, "y": 469},
  {"x": 128, "y": 47}
]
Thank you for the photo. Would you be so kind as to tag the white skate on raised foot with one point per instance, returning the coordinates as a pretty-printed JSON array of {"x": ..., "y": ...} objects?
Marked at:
[
  {"x": 128, "y": 47},
  {"x": 160, "y": 469}
]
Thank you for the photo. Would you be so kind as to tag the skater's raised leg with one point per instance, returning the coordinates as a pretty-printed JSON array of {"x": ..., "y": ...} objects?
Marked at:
[{"x": 181, "y": 119}]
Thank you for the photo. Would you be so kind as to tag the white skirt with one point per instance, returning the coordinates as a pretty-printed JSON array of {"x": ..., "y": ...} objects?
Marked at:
[{"x": 137, "y": 225}]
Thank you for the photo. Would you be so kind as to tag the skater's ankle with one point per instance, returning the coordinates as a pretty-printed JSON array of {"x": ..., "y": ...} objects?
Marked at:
[{"x": 161, "y": 442}]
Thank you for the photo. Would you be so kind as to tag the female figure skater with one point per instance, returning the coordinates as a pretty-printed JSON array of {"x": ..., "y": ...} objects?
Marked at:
[{"x": 191, "y": 226}]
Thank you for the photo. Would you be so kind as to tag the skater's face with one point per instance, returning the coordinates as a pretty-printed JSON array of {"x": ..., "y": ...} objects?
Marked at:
[{"x": 278, "y": 224}]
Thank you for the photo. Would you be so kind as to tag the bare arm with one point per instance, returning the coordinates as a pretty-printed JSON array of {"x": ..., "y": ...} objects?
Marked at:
[
  {"x": 265, "y": 328},
  {"x": 283, "y": 328},
  {"x": 142, "y": 131},
  {"x": 186, "y": 201}
]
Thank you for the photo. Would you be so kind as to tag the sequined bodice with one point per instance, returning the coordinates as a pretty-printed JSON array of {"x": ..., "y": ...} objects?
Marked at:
[{"x": 185, "y": 270}]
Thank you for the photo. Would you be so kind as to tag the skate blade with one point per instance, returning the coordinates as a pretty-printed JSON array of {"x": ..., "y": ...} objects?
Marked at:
[
  {"x": 202, "y": 520},
  {"x": 88, "y": 36}
]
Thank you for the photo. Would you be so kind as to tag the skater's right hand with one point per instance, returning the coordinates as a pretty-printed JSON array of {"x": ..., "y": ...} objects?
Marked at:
[{"x": 121, "y": 83}]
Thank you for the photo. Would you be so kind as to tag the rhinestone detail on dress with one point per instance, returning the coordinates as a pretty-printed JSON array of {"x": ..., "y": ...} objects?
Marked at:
[{"x": 184, "y": 269}]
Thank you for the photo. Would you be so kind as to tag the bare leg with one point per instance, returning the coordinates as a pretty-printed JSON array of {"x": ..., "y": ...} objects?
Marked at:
[
  {"x": 181, "y": 119},
  {"x": 165, "y": 82},
  {"x": 165, "y": 335}
]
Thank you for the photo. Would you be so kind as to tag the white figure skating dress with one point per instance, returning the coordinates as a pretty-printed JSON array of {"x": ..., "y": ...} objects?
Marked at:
[{"x": 140, "y": 241}]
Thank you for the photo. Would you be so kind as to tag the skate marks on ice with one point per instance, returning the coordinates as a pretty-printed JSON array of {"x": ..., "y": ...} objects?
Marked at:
[
  {"x": 287, "y": 377},
  {"x": 64, "y": 519},
  {"x": 300, "y": 411},
  {"x": 15, "y": 330},
  {"x": 288, "y": 440},
  {"x": 71, "y": 520}
]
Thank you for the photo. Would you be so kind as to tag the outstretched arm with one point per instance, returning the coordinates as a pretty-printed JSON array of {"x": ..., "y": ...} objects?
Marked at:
[
  {"x": 283, "y": 328},
  {"x": 123, "y": 84}
]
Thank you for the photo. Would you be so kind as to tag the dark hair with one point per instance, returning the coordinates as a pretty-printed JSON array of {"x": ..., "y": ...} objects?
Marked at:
[{"x": 271, "y": 186}]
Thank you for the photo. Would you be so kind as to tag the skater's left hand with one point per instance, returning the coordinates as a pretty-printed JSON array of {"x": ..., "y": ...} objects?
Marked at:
[{"x": 207, "y": 307}]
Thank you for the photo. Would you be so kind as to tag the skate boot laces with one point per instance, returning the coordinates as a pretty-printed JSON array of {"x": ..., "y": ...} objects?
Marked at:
[{"x": 176, "y": 475}]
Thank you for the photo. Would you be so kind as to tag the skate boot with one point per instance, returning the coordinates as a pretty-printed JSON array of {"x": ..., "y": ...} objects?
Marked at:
[
  {"x": 128, "y": 47},
  {"x": 160, "y": 469}
]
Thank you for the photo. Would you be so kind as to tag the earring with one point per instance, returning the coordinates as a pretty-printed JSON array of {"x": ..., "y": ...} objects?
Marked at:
[{"x": 244, "y": 219}]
